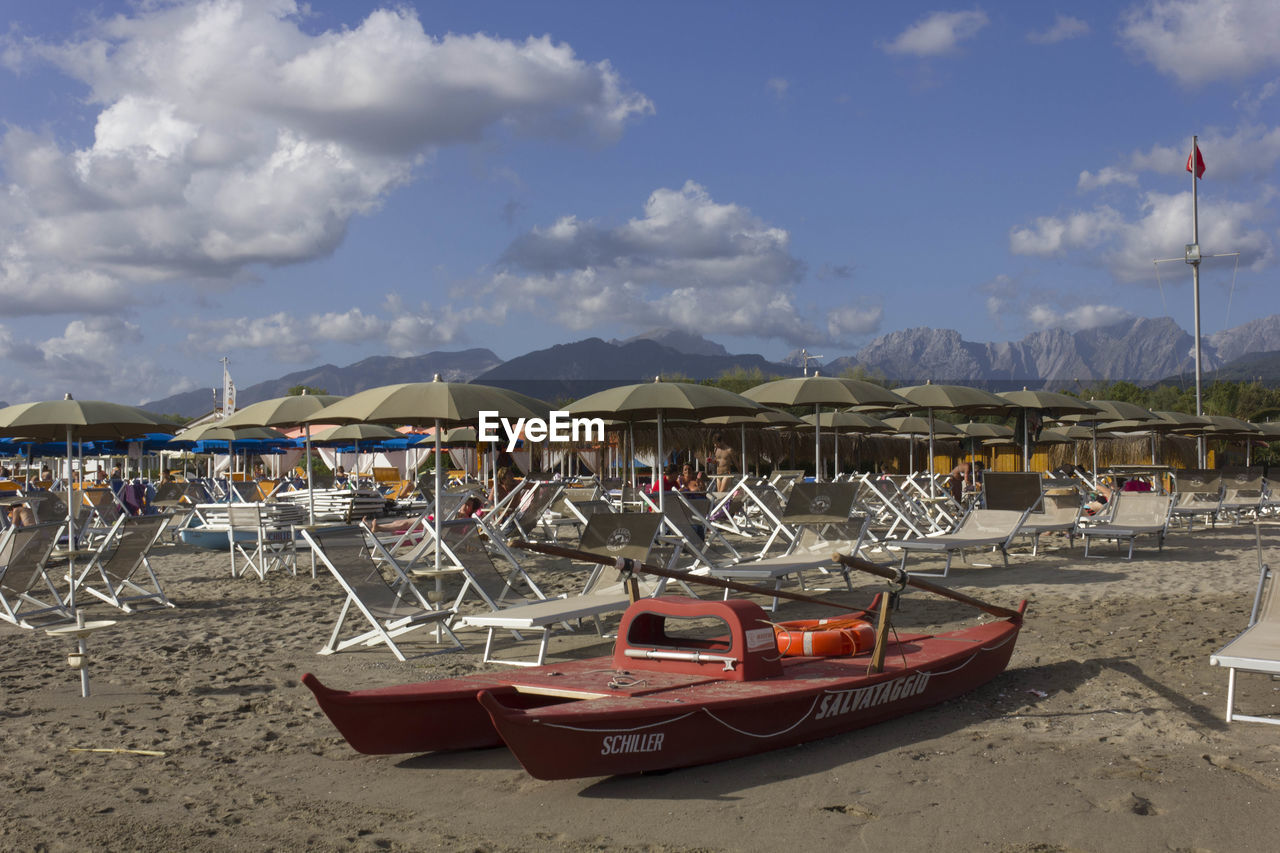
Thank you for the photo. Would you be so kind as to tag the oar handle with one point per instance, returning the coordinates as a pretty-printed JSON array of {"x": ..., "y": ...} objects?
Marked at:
[
  {"x": 899, "y": 576},
  {"x": 637, "y": 566}
]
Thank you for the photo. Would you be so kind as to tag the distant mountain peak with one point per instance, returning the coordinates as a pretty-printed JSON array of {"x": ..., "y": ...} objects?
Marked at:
[{"x": 678, "y": 340}]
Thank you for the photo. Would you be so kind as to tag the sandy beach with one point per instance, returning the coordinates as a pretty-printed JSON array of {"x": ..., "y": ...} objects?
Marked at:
[{"x": 1106, "y": 732}]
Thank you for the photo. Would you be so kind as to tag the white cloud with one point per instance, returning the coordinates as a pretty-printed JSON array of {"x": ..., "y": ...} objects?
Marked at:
[
  {"x": 937, "y": 34},
  {"x": 86, "y": 360},
  {"x": 296, "y": 338},
  {"x": 1159, "y": 229},
  {"x": 1105, "y": 177},
  {"x": 1076, "y": 319},
  {"x": 1064, "y": 27},
  {"x": 1199, "y": 41},
  {"x": 227, "y": 135},
  {"x": 689, "y": 262},
  {"x": 778, "y": 87}
]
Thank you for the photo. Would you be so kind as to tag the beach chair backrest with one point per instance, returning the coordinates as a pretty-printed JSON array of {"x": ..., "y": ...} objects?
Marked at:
[
  {"x": 816, "y": 503},
  {"x": 1241, "y": 480},
  {"x": 137, "y": 535},
  {"x": 28, "y": 549},
  {"x": 1007, "y": 490},
  {"x": 461, "y": 539},
  {"x": 1203, "y": 481},
  {"x": 169, "y": 492},
  {"x": 625, "y": 535},
  {"x": 992, "y": 522},
  {"x": 1140, "y": 508},
  {"x": 345, "y": 553}
]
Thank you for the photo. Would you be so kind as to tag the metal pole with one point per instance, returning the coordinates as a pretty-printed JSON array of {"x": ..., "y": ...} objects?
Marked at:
[
  {"x": 817, "y": 444},
  {"x": 1195, "y": 289}
]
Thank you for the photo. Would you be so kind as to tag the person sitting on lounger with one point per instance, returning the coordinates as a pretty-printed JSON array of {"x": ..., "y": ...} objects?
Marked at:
[
  {"x": 20, "y": 515},
  {"x": 1098, "y": 499}
]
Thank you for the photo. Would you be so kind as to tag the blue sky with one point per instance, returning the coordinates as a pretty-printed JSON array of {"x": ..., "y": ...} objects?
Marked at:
[{"x": 288, "y": 184}]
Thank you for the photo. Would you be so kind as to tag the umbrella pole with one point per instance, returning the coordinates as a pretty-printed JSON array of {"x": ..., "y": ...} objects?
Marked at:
[
  {"x": 71, "y": 530},
  {"x": 436, "y": 468},
  {"x": 742, "y": 459},
  {"x": 659, "y": 468},
  {"x": 932, "y": 484},
  {"x": 631, "y": 435},
  {"x": 311, "y": 493},
  {"x": 1026, "y": 444},
  {"x": 835, "y": 440},
  {"x": 817, "y": 443}
]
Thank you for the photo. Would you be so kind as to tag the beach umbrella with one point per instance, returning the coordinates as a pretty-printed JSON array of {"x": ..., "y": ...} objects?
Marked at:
[
  {"x": 952, "y": 398},
  {"x": 1108, "y": 411},
  {"x": 356, "y": 437},
  {"x": 852, "y": 421},
  {"x": 1181, "y": 421},
  {"x": 913, "y": 426},
  {"x": 435, "y": 404},
  {"x": 659, "y": 399},
  {"x": 288, "y": 411},
  {"x": 215, "y": 431},
  {"x": 76, "y": 419},
  {"x": 764, "y": 419},
  {"x": 979, "y": 430},
  {"x": 819, "y": 391},
  {"x": 1051, "y": 403}
]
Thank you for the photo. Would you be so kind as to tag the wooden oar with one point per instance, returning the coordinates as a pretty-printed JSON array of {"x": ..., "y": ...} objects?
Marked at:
[
  {"x": 893, "y": 575},
  {"x": 632, "y": 565}
]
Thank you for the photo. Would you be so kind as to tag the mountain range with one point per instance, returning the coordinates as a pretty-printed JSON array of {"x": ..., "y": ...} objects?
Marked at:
[{"x": 1142, "y": 350}]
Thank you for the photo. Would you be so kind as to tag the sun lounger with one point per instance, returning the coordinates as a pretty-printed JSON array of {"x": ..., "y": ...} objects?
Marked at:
[
  {"x": 1133, "y": 514},
  {"x": 391, "y": 610},
  {"x": 1059, "y": 512},
  {"x": 980, "y": 528},
  {"x": 1198, "y": 495},
  {"x": 1258, "y": 648},
  {"x": 619, "y": 535},
  {"x": 1241, "y": 492}
]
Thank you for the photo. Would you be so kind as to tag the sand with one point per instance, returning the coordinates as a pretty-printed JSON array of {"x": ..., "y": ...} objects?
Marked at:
[{"x": 1106, "y": 732}]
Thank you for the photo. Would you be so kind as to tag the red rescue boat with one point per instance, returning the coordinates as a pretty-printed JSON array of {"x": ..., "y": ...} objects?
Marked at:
[{"x": 668, "y": 698}]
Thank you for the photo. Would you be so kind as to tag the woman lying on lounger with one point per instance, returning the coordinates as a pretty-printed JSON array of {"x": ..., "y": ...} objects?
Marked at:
[{"x": 399, "y": 525}]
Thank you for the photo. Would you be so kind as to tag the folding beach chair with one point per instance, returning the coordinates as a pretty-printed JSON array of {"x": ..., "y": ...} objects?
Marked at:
[
  {"x": 110, "y": 572},
  {"x": 618, "y": 535},
  {"x": 26, "y": 591},
  {"x": 1133, "y": 514},
  {"x": 1258, "y": 648},
  {"x": 262, "y": 542},
  {"x": 391, "y": 610},
  {"x": 528, "y": 519}
]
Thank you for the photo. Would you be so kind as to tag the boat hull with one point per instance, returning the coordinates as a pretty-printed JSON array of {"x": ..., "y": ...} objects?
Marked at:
[
  {"x": 660, "y": 704},
  {"x": 629, "y": 736}
]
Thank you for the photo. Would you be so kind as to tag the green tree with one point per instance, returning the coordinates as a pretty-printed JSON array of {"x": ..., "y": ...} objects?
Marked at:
[{"x": 298, "y": 390}]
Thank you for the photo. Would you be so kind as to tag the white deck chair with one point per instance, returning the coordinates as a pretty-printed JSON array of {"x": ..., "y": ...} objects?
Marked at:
[
  {"x": 1133, "y": 514},
  {"x": 120, "y": 558},
  {"x": 980, "y": 528},
  {"x": 261, "y": 542},
  {"x": 1258, "y": 648},
  {"x": 618, "y": 535},
  {"x": 26, "y": 591},
  {"x": 391, "y": 610},
  {"x": 1059, "y": 512}
]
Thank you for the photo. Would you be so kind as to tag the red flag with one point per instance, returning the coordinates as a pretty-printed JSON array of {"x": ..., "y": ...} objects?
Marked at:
[{"x": 1199, "y": 161}]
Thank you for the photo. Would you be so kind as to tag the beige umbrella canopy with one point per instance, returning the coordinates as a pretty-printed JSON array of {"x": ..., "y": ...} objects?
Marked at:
[
  {"x": 858, "y": 422},
  {"x": 1051, "y": 403},
  {"x": 217, "y": 431},
  {"x": 432, "y": 403},
  {"x": 290, "y": 411},
  {"x": 914, "y": 425},
  {"x": 657, "y": 399},
  {"x": 76, "y": 420},
  {"x": 952, "y": 398},
  {"x": 819, "y": 391},
  {"x": 1109, "y": 411}
]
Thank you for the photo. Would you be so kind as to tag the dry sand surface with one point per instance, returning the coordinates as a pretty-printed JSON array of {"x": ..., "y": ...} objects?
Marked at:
[{"x": 1106, "y": 733}]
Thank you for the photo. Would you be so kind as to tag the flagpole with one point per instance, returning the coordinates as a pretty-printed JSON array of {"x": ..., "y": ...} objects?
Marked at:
[{"x": 1194, "y": 260}]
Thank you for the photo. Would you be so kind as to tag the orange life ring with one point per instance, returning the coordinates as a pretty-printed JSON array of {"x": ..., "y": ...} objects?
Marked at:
[{"x": 824, "y": 637}]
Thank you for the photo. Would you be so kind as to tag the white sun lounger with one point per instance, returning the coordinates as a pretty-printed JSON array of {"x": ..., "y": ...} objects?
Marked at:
[{"x": 1258, "y": 648}]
